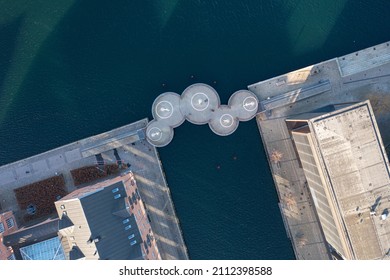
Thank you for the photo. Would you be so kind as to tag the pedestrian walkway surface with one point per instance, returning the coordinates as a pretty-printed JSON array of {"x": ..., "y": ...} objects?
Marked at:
[{"x": 199, "y": 104}]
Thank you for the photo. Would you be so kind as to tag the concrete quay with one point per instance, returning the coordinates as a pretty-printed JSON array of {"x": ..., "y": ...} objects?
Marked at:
[
  {"x": 132, "y": 148},
  {"x": 351, "y": 78}
]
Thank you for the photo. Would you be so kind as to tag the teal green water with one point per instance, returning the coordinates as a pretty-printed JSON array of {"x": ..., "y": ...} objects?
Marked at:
[{"x": 71, "y": 69}]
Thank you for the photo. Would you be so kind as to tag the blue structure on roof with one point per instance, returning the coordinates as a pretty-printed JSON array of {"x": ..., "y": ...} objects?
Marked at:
[{"x": 50, "y": 249}]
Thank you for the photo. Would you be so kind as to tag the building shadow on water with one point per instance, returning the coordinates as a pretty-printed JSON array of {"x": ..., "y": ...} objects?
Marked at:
[{"x": 8, "y": 42}]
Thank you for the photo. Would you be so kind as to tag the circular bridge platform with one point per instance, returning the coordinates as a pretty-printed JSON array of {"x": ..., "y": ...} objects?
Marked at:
[
  {"x": 166, "y": 109},
  {"x": 159, "y": 134},
  {"x": 198, "y": 104},
  {"x": 224, "y": 121},
  {"x": 245, "y": 104}
]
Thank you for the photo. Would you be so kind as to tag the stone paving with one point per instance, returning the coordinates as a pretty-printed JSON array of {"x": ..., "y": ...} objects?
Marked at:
[{"x": 198, "y": 104}]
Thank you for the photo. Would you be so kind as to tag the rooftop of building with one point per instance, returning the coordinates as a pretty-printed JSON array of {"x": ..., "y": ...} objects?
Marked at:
[
  {"x": 349, "y": 143},
  {"x": 27, "y": 236},
  {"x": 104, "y": 212}
]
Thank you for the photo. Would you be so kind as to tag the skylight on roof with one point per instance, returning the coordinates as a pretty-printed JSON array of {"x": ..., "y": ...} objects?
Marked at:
[
  {"x": 131, "y": 236},
  {"x": 127, "y": 227},
  {"x": 115, "y": 190},
  {"x": 50, "y": 249}
]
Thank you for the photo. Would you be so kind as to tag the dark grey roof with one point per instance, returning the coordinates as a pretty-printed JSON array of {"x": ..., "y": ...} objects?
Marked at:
[
  {"x": 105, "y": 216},
  {"x": 65, "y": 222},
  {"x": 76, "y": 254},
  {"x": 123, "y": 213},
  {"x": 31, "y": 235}
]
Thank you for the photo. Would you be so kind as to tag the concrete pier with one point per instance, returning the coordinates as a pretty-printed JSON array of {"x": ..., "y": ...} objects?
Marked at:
[
  {"x": 132, "y": 148},
  {"x": 351, "y": 78}
]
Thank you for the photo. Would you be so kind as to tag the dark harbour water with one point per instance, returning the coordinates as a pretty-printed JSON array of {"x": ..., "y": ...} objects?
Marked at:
[{"x": 71, "y": 69}]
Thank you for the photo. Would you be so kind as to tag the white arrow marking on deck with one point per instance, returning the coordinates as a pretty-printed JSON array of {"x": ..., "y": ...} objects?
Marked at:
[{"x": 249, "y": 104}]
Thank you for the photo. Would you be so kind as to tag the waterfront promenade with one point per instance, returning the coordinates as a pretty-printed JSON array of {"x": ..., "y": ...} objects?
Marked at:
[
  {"x": 132, "y": 149},
  {"x": 351, "y": 78}
]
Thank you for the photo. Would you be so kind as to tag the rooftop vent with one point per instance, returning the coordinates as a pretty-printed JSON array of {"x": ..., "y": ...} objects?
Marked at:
[{"x": 117, "y": 196}]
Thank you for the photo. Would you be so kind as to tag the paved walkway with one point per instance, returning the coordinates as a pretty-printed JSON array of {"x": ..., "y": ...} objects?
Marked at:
[
  {"x": 199, "y": 104},
  {"x": 130, "y": 147}
]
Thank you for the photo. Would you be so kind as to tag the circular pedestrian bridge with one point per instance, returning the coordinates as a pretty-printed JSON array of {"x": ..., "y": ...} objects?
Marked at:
[{"x": 198, "y": 104}]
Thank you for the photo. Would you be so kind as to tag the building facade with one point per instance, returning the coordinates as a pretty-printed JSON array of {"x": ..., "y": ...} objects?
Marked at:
[
  {"x": 7, "y": 226},
  {"x": 347, "y": 171}
]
